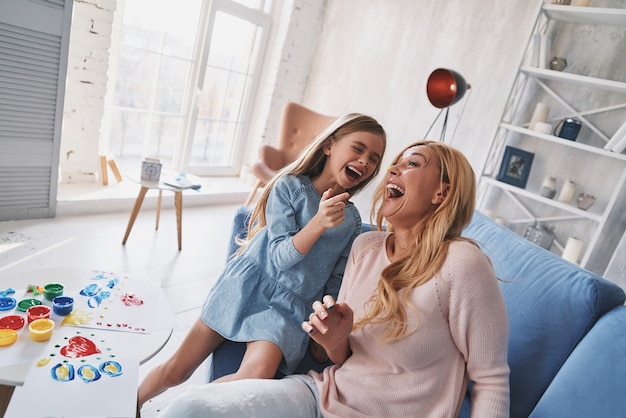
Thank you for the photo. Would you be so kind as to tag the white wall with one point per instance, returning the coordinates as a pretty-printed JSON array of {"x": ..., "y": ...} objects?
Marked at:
[
  {"x": 375, "y": 57},
  {"x": 88, "y": 65}
]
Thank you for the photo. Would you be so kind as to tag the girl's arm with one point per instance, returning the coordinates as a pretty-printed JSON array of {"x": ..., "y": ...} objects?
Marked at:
[
  {"x": 329, "y": 214},
  {"x": 285, "y": 249}
]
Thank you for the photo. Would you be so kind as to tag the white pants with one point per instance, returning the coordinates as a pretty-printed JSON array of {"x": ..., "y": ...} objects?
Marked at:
[{"x": 294, "y": 396}]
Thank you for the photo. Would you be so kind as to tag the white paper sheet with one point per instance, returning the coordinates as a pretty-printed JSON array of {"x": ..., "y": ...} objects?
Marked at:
[{"x": 110, "y": 395}]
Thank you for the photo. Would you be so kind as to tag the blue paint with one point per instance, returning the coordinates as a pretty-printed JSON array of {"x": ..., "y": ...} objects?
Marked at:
[
  {"x": 63, "y": 305},
  {"x": 90, "y": 290},
  {"x": 96, "y": 300},
  {"x": 63, "y": 372},
  {"x": 7, "y": 292},
  {"x": 111, "y": 368},
  {"x": 7, "y": 303}
]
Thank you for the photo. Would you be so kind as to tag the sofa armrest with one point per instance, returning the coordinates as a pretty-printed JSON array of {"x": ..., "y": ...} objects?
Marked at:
[
  {"x": 551, "y": 305},
  {"x": 591, "y": 382}
]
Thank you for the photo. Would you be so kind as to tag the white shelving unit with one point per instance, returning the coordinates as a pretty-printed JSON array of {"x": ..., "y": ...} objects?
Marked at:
[{"x": 599, "y": 172}]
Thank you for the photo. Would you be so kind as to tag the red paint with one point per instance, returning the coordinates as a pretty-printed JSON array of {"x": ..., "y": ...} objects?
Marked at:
[
  {"x": 130, "y": 299},
  {"x": 79, "y": 347}
]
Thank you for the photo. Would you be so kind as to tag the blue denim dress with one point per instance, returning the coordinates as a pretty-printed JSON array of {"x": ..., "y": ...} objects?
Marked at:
[{"x": 266, "y": 292}]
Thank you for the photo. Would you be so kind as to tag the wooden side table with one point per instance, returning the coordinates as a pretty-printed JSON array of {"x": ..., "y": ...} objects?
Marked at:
[{"x": 168, "y": 178}]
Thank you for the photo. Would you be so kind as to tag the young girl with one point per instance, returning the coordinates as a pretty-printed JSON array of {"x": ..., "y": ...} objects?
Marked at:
[{"x": 299, "y": 238}]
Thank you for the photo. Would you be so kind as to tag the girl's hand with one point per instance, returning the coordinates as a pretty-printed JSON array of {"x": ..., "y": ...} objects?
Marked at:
[
  {"x": 329, "y": 325},
  {"x": 330, "y": 212}
]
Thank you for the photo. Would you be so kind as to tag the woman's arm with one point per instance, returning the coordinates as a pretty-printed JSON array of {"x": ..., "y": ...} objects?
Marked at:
[{"x": 479, "y": 326}]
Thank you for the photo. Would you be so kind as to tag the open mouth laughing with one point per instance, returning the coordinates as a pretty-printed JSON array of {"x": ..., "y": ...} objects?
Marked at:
[
  {"x": 393, "y": 190},
  {"x": 353, "y": 173}
]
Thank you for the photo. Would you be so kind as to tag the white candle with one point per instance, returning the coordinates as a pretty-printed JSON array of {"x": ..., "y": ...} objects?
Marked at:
[
  {"x": 567, "y": 192},
  {"x": 543, "y": 127},
  {"x": 539, "y": 115},
  {"x": 572, "y": 249}
]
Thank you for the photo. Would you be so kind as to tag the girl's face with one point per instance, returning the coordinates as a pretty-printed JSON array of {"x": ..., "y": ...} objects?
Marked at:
[
  {"x": 352, "y": 159},
  {"x": 414, "y": 187}
]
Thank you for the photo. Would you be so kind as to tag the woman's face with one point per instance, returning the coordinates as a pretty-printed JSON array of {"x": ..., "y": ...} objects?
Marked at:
[{"x": 413, "y": 187}]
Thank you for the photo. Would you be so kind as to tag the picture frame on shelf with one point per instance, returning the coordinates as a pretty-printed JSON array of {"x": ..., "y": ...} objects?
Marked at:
[{"x": 515, "y": 166}]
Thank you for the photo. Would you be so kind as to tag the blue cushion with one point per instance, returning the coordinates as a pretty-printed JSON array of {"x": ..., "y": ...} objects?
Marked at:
[
  {"x": 591, "y": 382},
  {"x": 551, "y": 305}
]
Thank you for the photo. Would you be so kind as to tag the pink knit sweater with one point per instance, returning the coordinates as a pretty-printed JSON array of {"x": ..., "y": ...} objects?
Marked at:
[{"x": 462, "y": 335}]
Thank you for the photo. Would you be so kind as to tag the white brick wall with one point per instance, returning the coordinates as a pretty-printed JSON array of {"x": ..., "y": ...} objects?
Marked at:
[{"x": 88, "y": 63}]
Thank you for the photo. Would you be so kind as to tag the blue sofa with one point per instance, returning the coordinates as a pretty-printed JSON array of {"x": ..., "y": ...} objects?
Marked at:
[{"x": 567, "y": 345}]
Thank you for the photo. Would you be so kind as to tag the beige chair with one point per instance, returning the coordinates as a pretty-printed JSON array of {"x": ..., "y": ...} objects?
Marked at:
[{"x": 298, "y": 127}]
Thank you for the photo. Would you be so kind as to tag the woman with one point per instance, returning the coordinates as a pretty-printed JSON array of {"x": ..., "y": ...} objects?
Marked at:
[{"x": 420, "y": 314}]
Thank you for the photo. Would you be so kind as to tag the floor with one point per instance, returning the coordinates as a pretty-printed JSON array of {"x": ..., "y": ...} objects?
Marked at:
[{"x": 94, "y": 241}]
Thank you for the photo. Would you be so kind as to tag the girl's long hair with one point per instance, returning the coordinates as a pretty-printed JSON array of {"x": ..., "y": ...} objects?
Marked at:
[
  {"x": 311, "y": 163},
  {"x": 430, "y": 240}
]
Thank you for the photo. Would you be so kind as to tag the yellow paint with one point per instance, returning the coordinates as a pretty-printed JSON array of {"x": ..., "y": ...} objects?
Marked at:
[
  {"x": 62, "y": 372},
  {"x": 111, "y": 368},
  {"x": 7, "y": 337},
  {"x": 88, "y": 373},
  {"x": 77, "y": 317},
  {"x": 44, "y": 361}
]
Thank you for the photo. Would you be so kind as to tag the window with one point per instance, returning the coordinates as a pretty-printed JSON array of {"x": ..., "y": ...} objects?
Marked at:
[{"x": 186, "y": 75}]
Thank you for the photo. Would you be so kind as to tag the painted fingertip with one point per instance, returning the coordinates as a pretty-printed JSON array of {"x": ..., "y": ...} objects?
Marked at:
[
  {"x": 308, "y": 328},
  {"x": 330, "y": 307}
]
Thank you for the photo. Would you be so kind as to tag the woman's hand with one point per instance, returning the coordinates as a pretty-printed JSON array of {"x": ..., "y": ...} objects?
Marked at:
[{"x": 329, "y": 325}]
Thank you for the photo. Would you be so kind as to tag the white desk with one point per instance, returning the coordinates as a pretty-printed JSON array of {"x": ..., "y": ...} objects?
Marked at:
[
  {"x": 160, "y": 185},
  {"x": 75, "y": 279}
]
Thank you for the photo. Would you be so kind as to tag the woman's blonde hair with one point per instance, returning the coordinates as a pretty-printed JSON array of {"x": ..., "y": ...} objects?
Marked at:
[
  {"x": 430, "y": 240},
  {"x": 311, "y": 163}
]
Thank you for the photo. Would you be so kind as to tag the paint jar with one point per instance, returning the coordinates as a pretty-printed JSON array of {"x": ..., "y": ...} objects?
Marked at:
[
  {"x": 52, "y": 290},
  {"x": 7, "y": 303},
  {"x": 63, "y": 305},
  {"x": 7, "y": 337},
  {"x": 37, "y": 312},
  {"x": 41, "y": 329}
]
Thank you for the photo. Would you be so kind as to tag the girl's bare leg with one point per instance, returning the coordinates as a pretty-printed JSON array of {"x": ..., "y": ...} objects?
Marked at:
[
  {"x": 195, "y": 348},
  {"x": 261, "y": 361}
]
